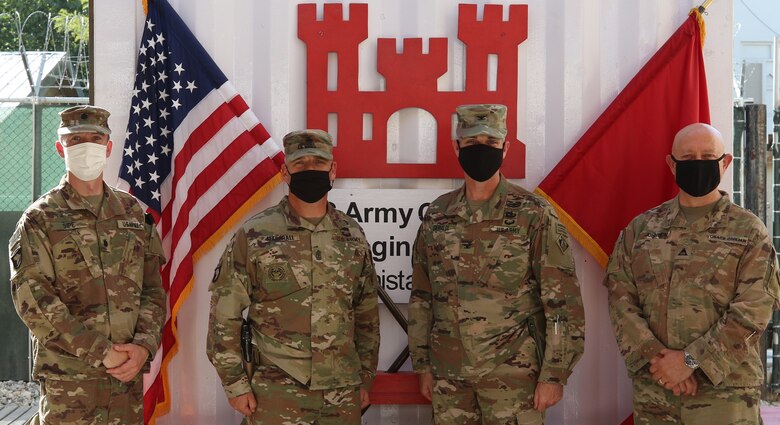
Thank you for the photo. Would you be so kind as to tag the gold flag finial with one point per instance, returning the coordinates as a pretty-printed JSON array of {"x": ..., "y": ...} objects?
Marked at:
[
  {"x": 705, "y": 5},
  {"x": 146, "y": 6}
]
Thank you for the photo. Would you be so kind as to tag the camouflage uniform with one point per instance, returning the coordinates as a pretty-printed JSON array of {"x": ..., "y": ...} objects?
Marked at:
[
  {"x": 477, "y": 279},
  {"x": 311, "y": 298},
  {"x": 706, "y": 287},
  {"x": 82, "y": 282}
]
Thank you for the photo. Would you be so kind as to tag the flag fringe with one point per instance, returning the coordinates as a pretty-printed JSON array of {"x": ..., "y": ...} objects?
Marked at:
[
  {"x": 578, "y": 232},
  {"x": 164, "y": 407},
  {"x": 702, "y": 27}
]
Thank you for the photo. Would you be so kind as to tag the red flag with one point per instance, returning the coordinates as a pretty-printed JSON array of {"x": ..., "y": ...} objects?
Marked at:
[
  {"x": 617, "y": 168},
  {"x": 196, "y": 155}
]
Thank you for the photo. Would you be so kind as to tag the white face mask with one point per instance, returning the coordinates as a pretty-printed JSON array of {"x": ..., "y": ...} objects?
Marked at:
[{"x": 85, "y": 160}]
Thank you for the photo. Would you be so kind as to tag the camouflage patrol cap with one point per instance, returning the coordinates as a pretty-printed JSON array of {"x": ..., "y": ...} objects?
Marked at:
[
  {"x": 84, "y": 119},
  {"x": 307, "y": 142},
  {"x": 486, "y": 119}
]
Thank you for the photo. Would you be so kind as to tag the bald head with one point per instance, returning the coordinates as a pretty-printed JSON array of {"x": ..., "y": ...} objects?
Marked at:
[
  {"x": 698, "y": 141},
  {"x": 698, "y": 162}
]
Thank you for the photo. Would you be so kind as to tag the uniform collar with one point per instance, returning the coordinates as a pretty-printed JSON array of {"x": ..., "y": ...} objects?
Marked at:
[
  {"x": 713, "y": 219},
  {"x": 110, "y": 207},
  {"x": 294, "y": 221},
  {"x": 493, "y": 209}
]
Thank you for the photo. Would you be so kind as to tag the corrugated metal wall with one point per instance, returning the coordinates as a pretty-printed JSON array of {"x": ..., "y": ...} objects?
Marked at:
[{"x": 578, "y": 56}]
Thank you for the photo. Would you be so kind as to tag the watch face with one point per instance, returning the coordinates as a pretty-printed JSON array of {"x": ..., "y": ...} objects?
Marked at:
[{"x": 690, "y": 361}]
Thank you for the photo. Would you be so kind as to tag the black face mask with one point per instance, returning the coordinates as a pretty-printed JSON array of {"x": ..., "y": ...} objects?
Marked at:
[
  {"x": 480, "y": 162},
  {"x": 310, "y": 185},
  {"x": 698, "y": 177}
]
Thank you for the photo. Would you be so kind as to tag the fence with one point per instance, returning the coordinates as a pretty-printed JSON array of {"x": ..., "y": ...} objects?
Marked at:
[{"x": 29, "y": 166}]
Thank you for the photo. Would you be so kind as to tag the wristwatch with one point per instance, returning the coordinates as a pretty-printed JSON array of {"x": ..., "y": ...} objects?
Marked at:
[{"x": 690, "y": 361}]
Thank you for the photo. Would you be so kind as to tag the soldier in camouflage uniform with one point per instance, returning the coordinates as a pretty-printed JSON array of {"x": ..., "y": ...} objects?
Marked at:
[
  {"x": 304, "y": 271},
  {"x": 692, "y": 284},
  {"x": 85, "y": 278},
  {"x": 492, "y": 268}
]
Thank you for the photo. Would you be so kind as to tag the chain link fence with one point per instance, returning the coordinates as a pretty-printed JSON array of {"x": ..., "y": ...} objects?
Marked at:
[
  {"x": 29, "y": 166},
  {"x": 29, "y": 163}
]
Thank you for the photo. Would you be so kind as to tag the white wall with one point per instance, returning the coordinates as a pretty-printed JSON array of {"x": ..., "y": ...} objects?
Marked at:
[{"x": 578, "y": 56}]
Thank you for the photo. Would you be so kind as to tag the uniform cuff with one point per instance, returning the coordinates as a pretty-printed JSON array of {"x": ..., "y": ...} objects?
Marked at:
[
  {"x": 702, "y": 351},
  {"x": 367, "y": 379},
  {"x": 638, "y": 358},
  {"x": 147, "y": 342},
  {"x": 238, "y": 388},
  {"x": 552, "y": 375},
  {"x": 422, "y": 368},
  {"x": 98, "y": 352}
]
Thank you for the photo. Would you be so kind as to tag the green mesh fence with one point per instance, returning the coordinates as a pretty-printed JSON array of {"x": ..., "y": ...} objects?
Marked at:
[
  {"x": 16, "y": 145},
  {"x": 17, "y": 164},
  {"x": 52, "y": 164}
]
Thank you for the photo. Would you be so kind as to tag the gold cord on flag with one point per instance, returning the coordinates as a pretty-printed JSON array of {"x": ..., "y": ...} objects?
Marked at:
[
  {"x": 696, "y": 11},
  {"x": 146, "y": 6}
]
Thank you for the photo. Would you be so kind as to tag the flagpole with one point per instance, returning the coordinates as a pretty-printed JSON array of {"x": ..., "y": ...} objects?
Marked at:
[{"x": 705, "y": 5}]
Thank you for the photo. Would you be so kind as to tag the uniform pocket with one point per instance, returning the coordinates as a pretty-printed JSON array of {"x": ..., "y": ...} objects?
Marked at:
[
  {"x": 278, "y": 280},
  {"x": 68, "y": 402},
  {"x": 507, "y": 266},
  {"x": 132, "y": 260},
  {"x": 74, "y": 261}
]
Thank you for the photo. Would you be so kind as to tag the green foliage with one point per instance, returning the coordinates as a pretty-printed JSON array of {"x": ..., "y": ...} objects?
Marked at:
[
  {"x": 43, "y": 23},
  {"x": 74, "y": 23}
]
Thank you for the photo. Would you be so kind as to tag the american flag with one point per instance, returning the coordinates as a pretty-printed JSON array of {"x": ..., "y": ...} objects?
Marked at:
[{"x": 195, "y": 155}]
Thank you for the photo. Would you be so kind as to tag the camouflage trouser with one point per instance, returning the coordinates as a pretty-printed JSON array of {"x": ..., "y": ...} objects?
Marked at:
[
  {"x": 106, "y": 401},
  {"x": 503, "y": 397},
  {"x": 723, "y": 406},
  {"x": 282, "y": 400}
]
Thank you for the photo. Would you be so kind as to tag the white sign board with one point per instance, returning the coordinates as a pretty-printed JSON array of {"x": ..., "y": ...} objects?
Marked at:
[{"x": 390, "y": 218}]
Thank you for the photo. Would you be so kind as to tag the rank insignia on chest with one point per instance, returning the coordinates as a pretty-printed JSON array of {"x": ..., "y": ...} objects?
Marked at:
[
  {"x": 467, "y": 247},
  {"x": 684, "y": 253}
]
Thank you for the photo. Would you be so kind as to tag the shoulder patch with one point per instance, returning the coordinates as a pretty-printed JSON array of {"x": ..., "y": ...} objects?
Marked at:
[
  {"x": 16, "y": 237},
  {"x": 16, "y": 259},
  {"x": 217, "y": 270},
  {"x": 563, "y": 242}
]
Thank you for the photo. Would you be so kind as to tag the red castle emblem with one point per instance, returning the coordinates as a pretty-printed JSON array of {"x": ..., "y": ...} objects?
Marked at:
[{"x": 411, "y": 82}]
